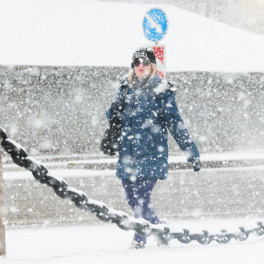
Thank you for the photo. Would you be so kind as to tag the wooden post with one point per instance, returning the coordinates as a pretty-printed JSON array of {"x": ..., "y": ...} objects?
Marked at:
[{"x": 2, "y": 227}]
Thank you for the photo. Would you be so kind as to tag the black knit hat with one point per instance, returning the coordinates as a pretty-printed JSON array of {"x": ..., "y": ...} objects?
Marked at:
[{"x": 144, "y": 53}]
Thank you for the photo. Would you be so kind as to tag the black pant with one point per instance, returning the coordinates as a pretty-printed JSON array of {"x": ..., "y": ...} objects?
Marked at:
[{"x": 138, "y": 197}]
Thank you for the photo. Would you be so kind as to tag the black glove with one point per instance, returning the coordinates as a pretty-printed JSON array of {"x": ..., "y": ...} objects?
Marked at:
[
  {"x": 197, "y": 165},
  {"x": 117, "y": 106}
]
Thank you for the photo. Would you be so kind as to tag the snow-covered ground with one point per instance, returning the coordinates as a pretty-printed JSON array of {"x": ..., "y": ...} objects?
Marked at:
[
  {"x": 94, "y": 33},
  {"x": 79, "y": 32},
  {"x": 107, "y": 244}
]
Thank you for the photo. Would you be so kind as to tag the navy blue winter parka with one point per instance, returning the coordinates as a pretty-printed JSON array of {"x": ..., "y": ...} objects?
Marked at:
[{"x": 148, "y": 112}]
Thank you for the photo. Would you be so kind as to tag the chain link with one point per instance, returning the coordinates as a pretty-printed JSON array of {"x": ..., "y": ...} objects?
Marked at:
[{"x": 106, "y": 214}]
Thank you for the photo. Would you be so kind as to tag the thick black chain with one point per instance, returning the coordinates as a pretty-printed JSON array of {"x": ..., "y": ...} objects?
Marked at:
[{"x": 106, "y": 214}]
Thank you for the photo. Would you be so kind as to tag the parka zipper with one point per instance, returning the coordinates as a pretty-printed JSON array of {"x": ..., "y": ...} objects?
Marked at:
[{"x": 131, "y": 124}]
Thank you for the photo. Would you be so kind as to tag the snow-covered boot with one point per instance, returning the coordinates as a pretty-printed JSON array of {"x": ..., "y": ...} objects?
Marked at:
[
  {"x": 161, "y": 243},
  {"x": 136, "y": 245}
]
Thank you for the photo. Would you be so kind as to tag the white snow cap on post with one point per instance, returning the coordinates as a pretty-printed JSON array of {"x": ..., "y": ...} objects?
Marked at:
[{"x": 93, "y": 33}]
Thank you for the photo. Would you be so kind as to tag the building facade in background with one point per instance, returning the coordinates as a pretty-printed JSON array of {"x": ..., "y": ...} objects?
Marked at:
[{"x": 252, "y": 15}]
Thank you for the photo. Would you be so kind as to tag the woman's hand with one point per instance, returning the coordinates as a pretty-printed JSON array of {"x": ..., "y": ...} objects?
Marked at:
[
  {"x": 117, "y": 106},
  {"x": 197, "y": 165}
]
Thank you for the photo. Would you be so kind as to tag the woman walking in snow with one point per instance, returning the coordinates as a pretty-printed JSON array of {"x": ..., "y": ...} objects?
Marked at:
[{"x": 149, "y": 108}]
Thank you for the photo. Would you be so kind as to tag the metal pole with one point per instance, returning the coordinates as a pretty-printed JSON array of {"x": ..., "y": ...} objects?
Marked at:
[{"x": 2, "y": 227}]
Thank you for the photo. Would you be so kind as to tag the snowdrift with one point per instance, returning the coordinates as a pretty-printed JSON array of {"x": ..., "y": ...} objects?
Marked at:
[{"x": 70, "y": 32}]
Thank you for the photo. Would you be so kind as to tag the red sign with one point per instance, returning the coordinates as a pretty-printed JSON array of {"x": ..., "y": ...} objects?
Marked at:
[{"x": 160, "y": 60}]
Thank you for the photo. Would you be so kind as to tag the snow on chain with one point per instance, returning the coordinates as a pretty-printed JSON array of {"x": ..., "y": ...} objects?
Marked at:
[{"x": 101, "y": 210}]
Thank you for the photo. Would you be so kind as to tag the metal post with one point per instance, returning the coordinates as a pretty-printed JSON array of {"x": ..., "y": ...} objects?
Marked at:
[{"x": 2, "y": 227}]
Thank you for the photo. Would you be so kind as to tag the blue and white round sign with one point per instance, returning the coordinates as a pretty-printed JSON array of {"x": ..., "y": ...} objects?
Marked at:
[{"x": 155, "y": 24}]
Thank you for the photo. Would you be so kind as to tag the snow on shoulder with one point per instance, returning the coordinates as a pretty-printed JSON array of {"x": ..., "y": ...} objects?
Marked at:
[{"x": 164, "y": 86}]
